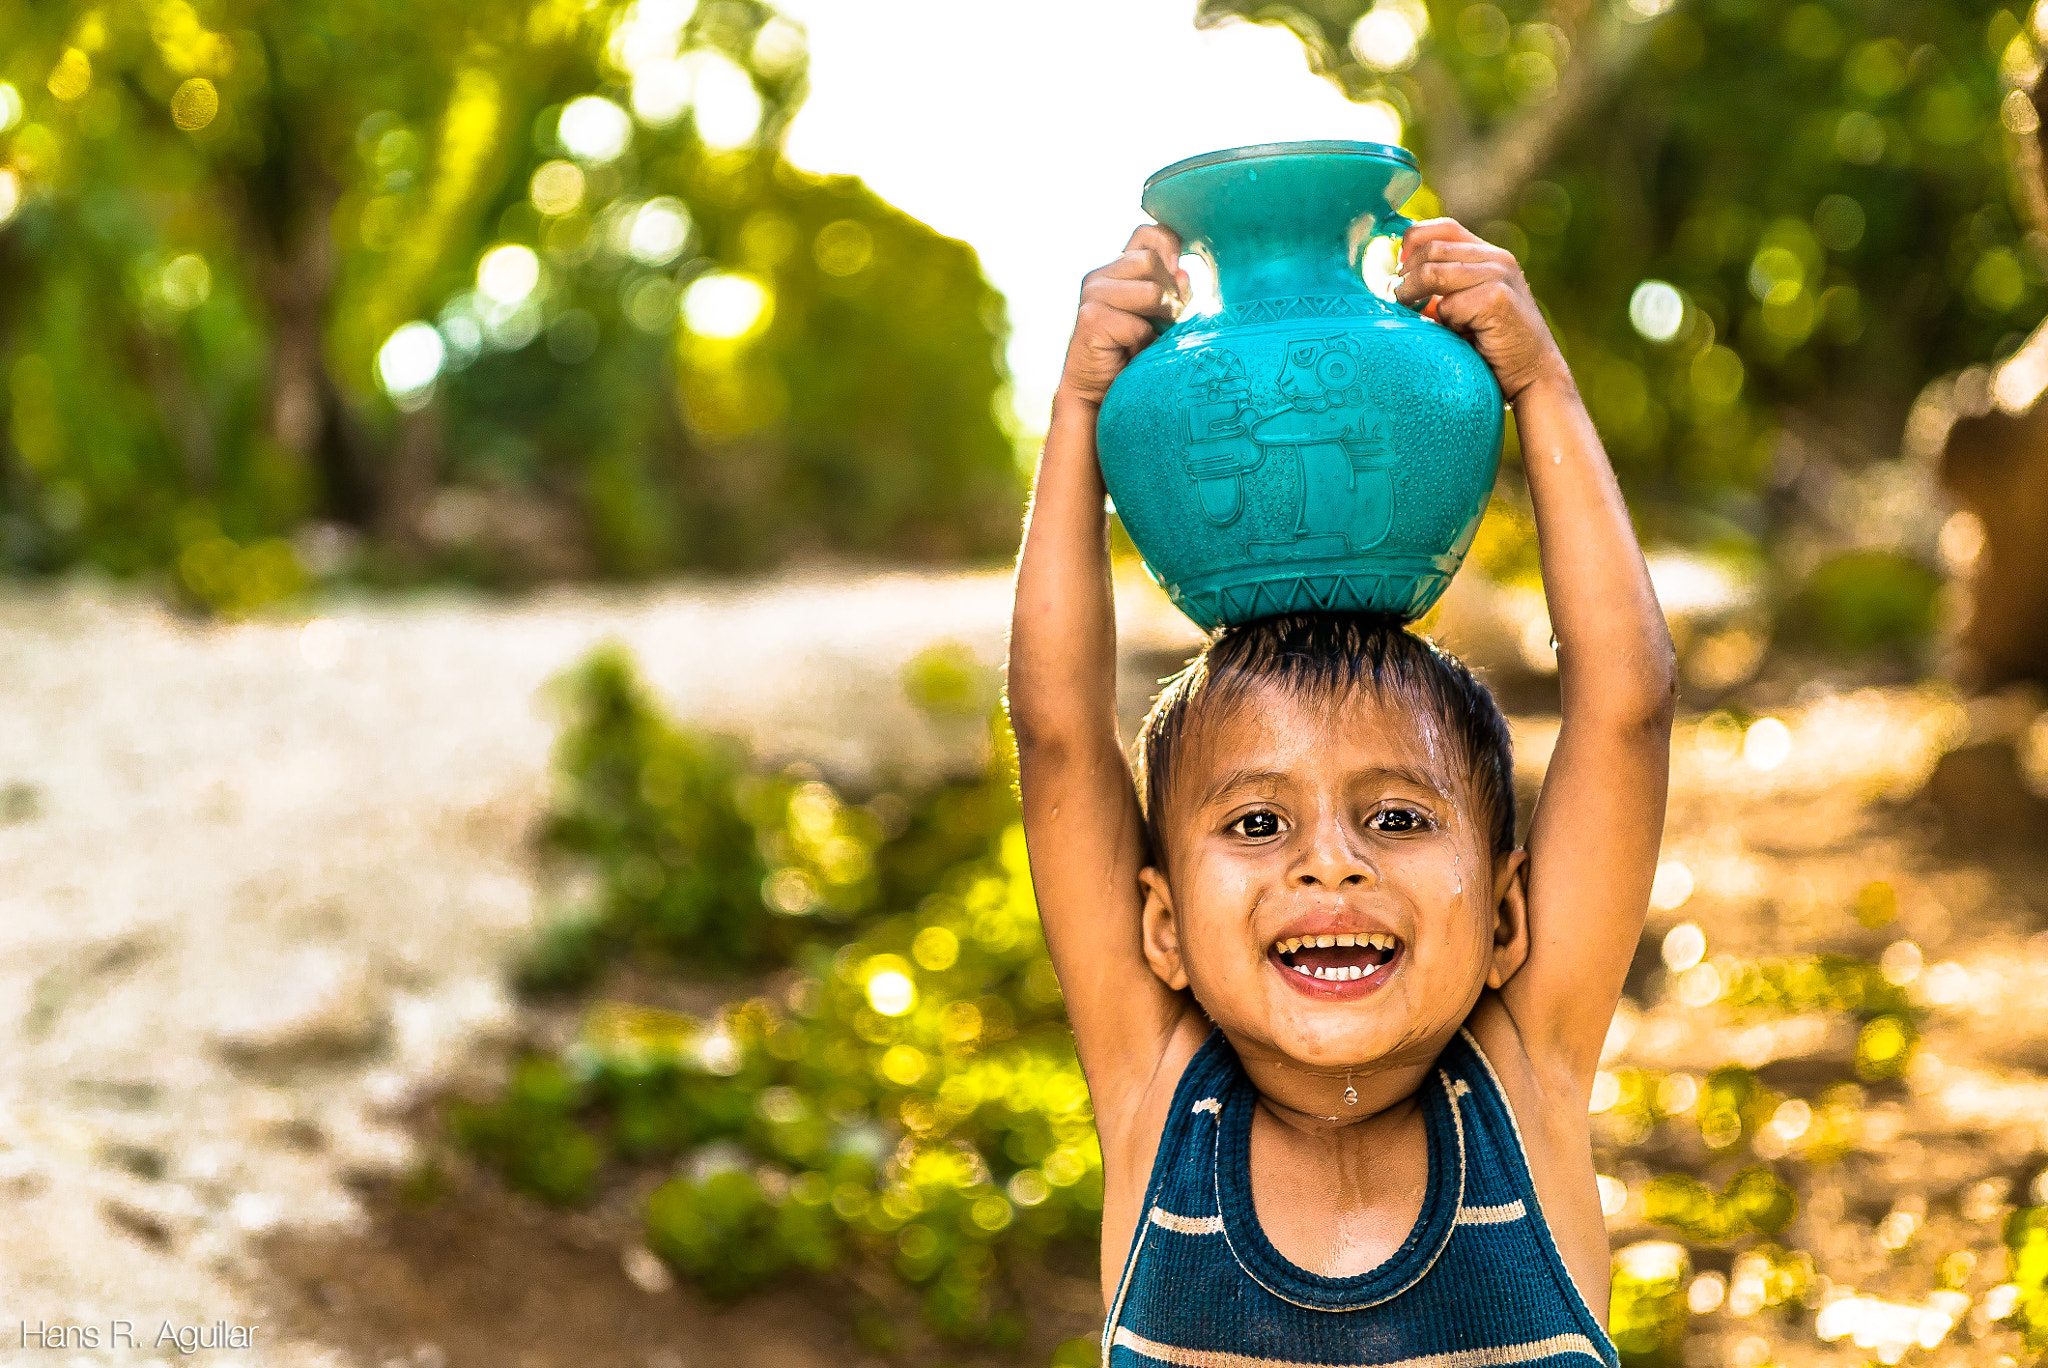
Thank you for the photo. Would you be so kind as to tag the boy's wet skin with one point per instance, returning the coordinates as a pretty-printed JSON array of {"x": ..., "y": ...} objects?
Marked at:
[{"x": 1294, "y": 819}]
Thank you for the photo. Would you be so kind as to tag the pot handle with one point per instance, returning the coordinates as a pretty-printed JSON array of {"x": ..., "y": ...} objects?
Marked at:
[{"x": 1395, "y": 226}]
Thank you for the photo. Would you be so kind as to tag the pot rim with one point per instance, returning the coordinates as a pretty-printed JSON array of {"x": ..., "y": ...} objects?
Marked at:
[{"x": 1339, "y": 147}]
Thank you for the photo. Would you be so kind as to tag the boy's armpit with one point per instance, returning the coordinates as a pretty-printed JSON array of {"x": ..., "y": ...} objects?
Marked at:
[{"x": 1550, "y": 1116}]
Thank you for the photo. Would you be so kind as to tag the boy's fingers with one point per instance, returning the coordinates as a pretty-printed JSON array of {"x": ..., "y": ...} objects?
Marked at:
[
  {"x": 1160, "y": 239},
  {"x": 1141, "y": 263},
  {"x": 1132, "y": 332},
  {"x": 1140, "y": 281},
  {"x": 1437, "y": 230},
  {"x": 1147, "y": 296},
  {"x": 1427, "y": 278},
  {"x": 1457, "y": 249},
  {"x": 1459, "y": 311}
]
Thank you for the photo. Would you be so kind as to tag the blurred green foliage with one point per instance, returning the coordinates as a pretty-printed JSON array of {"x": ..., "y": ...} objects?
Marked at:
[
  {"x": 2026, "y": 1242},
  {"x": 507, "y": 292},
  {"x": 1861, "y": 601},
  {"x": 907, "y": 1098},
  {"x": 663, "y": 814},
  {"x": 1745, "y": 220},
  {"x": 1647, "y": 1319},
  {"x": 1754, "y": 1202},
  {"x": 701, "y": 859},
  {"x": 1804, "y": 983}
]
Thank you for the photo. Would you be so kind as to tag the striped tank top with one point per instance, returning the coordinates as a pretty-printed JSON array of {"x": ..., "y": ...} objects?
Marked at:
[{"x": 1478, "y": 1282}]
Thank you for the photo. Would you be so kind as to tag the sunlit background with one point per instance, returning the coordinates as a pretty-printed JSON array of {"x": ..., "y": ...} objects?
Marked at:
[{"x": 506, "y": 846}]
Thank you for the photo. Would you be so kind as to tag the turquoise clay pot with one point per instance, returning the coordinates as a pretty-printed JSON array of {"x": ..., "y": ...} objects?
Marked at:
[{"x": 1306, "y": 444}]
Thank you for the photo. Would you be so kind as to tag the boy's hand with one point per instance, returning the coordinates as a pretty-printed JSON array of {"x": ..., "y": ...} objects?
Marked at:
[
  {"x": 1479, "y": 293},
  {"x": 1118, "y": 305}
]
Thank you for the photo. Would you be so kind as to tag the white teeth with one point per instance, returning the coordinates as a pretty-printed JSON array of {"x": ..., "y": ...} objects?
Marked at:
[{"x": 1375, "y": 941}]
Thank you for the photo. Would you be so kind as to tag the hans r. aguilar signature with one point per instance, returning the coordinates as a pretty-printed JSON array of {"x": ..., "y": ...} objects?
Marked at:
[{"x": 123, "y": 1334}]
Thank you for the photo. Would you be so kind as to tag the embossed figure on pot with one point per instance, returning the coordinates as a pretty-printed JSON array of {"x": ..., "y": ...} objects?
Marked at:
[{"x": 1306, "y": 443}]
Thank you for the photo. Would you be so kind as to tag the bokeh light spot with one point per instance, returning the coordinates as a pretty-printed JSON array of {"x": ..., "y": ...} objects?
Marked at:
[
  {"x": 194, "y": 104},
  {"x": 891, "y": 993},
  {"x": 724, "y": 305},
  {"x": 728, "y": 108},
  {"x": 409, "y": 361},
  {"x": 1672, "y": 886},
  {"x": 594, "y": 129},
  {"x": 557, "y": 188},
  {"x": 651, "y": 305},
  {"x": 508, "y": 273},
  {"x": 843, "y": 247},
  {"x": 71, "y": 77},
  {"x": 1684, "y": 946},
  {"x": 660, "y": 230},
  {"x": 1838, "y": 222},
  {"x": 1657, "y": 310},
  {"x": 1388, "y": 36},
  {"x": 186, "y": 282},
  {"x": 1767, "y": 744}
]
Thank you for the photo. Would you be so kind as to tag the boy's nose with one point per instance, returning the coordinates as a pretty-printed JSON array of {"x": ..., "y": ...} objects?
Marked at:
[{"x": 1331, "y": 858}]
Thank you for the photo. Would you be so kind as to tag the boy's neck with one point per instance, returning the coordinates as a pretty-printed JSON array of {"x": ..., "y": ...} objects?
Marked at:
[{"x": 1317, "y": 1100}]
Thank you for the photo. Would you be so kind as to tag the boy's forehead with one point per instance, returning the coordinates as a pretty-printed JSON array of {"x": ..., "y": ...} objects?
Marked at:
[{"x": 1266, "y": 727}]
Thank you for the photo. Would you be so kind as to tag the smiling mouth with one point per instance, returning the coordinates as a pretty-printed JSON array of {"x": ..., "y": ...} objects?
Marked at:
[{"x": 1336, "y": 959}]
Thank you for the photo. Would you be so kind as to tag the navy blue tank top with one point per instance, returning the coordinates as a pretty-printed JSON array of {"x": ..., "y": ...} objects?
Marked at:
[{"x": 1479, "y": 1281}]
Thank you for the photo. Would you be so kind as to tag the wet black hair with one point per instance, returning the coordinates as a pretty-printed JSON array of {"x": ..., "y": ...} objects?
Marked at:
[{"x": 1324, "y": 656}]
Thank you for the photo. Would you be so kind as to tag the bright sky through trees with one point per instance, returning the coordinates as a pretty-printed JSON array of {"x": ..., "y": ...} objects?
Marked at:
[{"x": 1030, "y": 137}]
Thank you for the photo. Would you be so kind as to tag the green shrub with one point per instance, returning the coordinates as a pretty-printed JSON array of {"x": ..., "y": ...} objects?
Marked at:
[
  {"x": 531, "y": 1133},
  {"x": 2026, "y": 1241},
  {"x": 1865, "y": 601},
  {"x": 703, "y": 860},
  {"x": 1754, "y": 1202},
  {"x": 726, "y": 1232},
  {"x": 910, "y": 1100},
  {"x": 1646, "y": 1314},
  {"x": 661, "y": 812}
]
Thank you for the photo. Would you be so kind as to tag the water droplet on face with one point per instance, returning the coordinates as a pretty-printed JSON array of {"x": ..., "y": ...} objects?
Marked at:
[{"x": 1350, "y": 1096}]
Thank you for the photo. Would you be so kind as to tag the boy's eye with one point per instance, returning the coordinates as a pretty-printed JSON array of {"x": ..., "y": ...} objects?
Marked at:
[
  {"x": 1257, "y": 825},
  {"x": 1398, "y": 821}
]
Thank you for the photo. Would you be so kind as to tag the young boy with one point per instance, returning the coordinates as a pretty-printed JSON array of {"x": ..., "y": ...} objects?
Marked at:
[{"x": 1341, "y": 1033}]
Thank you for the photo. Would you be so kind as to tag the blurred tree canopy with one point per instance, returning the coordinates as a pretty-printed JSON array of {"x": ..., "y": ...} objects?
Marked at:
[
  {"x": 512, "y": 290},
  {"x": 1760, "y": 229}
]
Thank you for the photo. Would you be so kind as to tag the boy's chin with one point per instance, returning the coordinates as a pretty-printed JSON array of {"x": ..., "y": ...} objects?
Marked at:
[
  {"x": 1328, "y": 1035},
  {"x": 1322, "y": 1035}
]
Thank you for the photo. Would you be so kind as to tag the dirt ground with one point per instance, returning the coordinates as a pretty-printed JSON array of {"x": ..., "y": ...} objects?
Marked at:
[{"x": 258, "y": 884}]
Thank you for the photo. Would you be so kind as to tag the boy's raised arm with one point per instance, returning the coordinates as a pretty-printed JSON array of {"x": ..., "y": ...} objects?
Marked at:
[
  {"x": 1593, "y": 842},
  {"x": 1081, "y": 816}
]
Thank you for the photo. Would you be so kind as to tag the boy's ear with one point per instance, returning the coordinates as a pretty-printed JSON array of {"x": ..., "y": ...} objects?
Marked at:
[
  {"x": 1510, "y": 917},
  {"x": 1159, "y": 931}
]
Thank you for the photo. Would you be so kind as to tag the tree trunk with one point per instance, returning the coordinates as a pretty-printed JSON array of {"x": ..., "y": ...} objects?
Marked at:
[{"x": 1994, "y": 462}]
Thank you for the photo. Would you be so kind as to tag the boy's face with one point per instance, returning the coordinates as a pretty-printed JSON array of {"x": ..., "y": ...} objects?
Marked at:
[{"x": 1295, "y": 822}]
